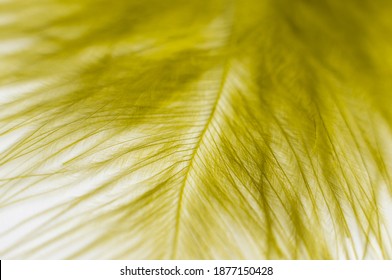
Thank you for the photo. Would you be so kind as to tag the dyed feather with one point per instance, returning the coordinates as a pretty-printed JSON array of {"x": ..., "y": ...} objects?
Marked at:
[{"x": 195, "y": 129}]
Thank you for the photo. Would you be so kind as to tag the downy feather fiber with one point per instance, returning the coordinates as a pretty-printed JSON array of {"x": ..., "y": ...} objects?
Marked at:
[{"x": 195, "y": 129}]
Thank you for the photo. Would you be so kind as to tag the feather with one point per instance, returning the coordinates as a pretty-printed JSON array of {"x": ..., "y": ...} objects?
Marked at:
[{"x": 195, "y": 129}]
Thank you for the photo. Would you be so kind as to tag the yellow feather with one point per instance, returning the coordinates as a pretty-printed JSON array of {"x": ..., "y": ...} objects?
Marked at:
[{"x": 195, "y": 129}]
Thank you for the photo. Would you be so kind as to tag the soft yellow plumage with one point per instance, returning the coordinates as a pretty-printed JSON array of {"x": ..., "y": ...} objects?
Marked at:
[{"x": 195, "y": 129}]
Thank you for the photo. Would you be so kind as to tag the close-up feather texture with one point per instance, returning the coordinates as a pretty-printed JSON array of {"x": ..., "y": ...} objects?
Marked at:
[{"x": 195, "y": 129}]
